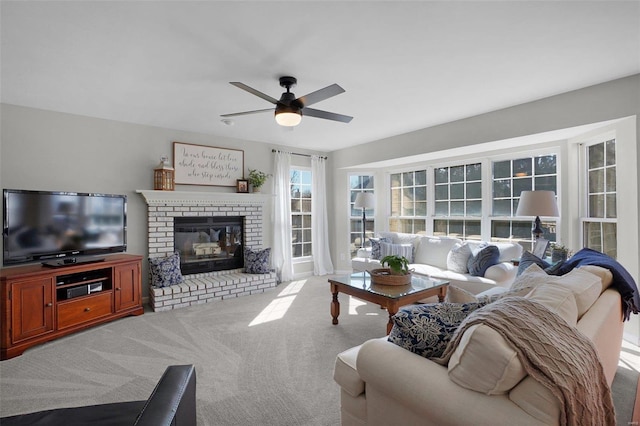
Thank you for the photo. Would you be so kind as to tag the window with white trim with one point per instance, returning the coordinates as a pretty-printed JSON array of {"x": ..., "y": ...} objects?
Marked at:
[
  {"x": 510, "y": 178},
  {"x": 458, "y": 201},
  {"x": 599, "y": 227},
  {"x": 357, "y": 184},
  {"x": 408, "y": 201},
  {"x": 300, "y": 184}
]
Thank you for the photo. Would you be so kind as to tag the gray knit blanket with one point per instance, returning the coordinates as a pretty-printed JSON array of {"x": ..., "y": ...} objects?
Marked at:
[{"x": 555, "y": 354}]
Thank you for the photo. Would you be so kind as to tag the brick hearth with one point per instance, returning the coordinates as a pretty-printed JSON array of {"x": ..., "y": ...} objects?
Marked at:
[{"x": 163, "y": 206}]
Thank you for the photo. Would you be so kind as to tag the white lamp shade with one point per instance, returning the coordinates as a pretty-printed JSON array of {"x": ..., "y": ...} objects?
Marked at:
[
  {"x": 288, "y": 119},
  {"x": 537, "y": 203},
  {"x": 365, "y": 200}
]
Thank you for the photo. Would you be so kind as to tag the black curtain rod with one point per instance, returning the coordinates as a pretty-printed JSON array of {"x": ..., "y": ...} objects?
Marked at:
[{"x": 295, "y": 153}]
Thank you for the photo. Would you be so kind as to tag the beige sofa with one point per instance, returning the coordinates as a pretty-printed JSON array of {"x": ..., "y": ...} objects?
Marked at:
[
  {"x": 433, "y": 258},
  {"x": 383, "y": 384}
]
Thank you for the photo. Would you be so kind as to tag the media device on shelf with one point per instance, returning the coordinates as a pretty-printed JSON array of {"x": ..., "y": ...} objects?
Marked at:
[{"x": 62, "y": 228}]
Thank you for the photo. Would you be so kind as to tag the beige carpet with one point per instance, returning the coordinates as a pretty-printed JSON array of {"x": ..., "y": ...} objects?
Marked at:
[{"x": 260, "y": 360}]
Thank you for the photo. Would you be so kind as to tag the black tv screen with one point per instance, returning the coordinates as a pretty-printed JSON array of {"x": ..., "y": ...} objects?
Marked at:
[{"x": 41, "y": 225}]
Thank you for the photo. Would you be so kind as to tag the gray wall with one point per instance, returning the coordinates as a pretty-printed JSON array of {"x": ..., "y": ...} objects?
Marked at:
[{"x": 45, "y": 150}]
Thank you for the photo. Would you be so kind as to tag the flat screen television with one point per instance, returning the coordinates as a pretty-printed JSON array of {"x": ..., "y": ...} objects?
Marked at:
[{"x": 55, "y": 227}]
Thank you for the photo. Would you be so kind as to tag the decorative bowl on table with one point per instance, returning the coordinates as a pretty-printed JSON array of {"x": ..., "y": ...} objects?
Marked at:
[{"x": 385, "y": 277}]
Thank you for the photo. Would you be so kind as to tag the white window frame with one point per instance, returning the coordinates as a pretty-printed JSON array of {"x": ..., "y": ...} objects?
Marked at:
[{"x": 301, "y": 259}]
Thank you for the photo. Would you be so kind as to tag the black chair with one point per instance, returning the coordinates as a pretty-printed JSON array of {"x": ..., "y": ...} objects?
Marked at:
[{"x": 172, "y": 402}]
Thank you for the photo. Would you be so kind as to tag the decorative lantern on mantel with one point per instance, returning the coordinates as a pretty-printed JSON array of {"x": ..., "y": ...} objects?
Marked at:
[{"x": 163, "y": 176}]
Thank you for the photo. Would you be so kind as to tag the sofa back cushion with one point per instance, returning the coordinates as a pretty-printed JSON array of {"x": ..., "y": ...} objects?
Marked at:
[
  {"x": 434, "y": 250},
  {"x": 508, "y": 251}
]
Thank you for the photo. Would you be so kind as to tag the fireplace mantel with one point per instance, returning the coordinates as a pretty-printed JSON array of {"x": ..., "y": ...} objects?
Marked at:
[{"x": 202, "y": 198}]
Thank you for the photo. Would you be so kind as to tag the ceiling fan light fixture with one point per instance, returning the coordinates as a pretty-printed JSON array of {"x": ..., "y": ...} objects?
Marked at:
[{"x": 288, "y": 116}]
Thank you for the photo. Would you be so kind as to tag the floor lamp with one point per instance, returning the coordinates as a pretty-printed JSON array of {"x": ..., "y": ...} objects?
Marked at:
[
  {"x": 364, "y": 201},
  {"x": 537, "y": 203}
]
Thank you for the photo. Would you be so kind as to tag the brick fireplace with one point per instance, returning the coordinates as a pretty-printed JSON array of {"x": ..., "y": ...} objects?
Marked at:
[{"x": 163, "y": 209}]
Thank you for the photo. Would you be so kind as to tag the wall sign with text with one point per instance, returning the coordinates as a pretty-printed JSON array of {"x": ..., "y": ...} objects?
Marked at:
[{"x": 207, "y": 165}]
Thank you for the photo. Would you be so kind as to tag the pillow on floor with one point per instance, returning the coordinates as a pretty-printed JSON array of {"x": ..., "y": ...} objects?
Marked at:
[
  {"x": 427, "y": 329},
  {"x": 256, "y": 261},
  {"x": 165, "y": 271}
]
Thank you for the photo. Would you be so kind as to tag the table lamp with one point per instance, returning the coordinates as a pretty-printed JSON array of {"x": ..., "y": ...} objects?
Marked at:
[
  {"x": 364, "y": 201},
  {"x": 537, "y": 203}
]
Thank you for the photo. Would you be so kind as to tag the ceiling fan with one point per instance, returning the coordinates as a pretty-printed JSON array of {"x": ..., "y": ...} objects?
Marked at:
[{"x": 289, "y": 109}]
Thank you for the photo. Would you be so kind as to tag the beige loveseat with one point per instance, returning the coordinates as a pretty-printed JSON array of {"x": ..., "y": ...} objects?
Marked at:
[
  {"x": 383, "y": 384},
  {"x": 433, "y": 257}
]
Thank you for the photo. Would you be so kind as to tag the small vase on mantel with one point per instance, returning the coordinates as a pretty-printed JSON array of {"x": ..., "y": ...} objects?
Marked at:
[{"x": 256, "y": 189}]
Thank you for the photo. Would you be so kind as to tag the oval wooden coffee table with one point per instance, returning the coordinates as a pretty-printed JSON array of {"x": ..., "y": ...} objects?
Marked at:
[{"x": 390, "y": 297}]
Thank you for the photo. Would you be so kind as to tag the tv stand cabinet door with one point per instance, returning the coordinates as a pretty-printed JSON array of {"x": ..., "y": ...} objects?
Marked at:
[
  {"x": 31, "y": 308},
  {"x": 128, "y": 287}
]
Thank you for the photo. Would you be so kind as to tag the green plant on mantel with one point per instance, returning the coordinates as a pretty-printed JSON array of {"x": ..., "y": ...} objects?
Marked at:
[
  {"x": 257, "y": 178},
  {"x": 399, "y": 265}
]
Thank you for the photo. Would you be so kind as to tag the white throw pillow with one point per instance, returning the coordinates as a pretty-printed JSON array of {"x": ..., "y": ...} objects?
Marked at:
[
  {"x": 605, "y": 275},
  {"x": 558, "y": 299},
  {"x": 434, "y": 250},
  {"x": 406, "y": 250},
  {"x": 485, "y": 362},
  {"x": 458, "y": 257},
  {"x": 533, "y": 276}
]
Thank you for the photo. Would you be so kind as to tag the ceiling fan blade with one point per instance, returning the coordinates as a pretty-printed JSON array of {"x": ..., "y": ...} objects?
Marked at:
[
  {"x": 320, "y": 95},
  {"x": 326, "y": 115},
  {"x": 235, "y": 114},
  {"x": 254, "y": 92}
]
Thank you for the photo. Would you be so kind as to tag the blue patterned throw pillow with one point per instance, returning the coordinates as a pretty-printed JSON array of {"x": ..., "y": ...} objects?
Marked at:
[
  {"x": 376, "y": 252},
  {"x": 256, "y": 261},
  {"x": 427, "y": 329},
  {"x": 165, "y": 271},
  {"x": 486, "y": 257}
]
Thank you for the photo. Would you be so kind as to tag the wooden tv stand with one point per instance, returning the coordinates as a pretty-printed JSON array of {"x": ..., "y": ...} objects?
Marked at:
[{"x": 39, "y": 303}]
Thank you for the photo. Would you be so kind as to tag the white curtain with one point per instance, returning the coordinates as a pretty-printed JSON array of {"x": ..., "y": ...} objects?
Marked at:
[
  {"x": 281, "y": 256},
  {"x": 322, "y": 264}
]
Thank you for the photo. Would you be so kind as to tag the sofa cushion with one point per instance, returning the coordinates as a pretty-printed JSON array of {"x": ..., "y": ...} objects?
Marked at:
[
  {"x": 480, "y": 262},
  {"x": 458, "y": 257},
  {"x": 606, "y": 277},
  {"x": 375, "y": 246},
  {"x": 536, "y": 400},
  {"x": 165, "y": 271},
  {"x": 456, "y": 294},
  {"x": 585, "y": 286},
  {"x": 346, "y": 374},
  {"x": 434, "y": 250},
  {"x": 405, "y": 250},
  {"x": 558, "y": 299},
  {"x": 508, "y": 251},
  {"x": 485, "y": 362},
  {"x": 401, "y": 237},
  {"x": 426, "y": 329}
]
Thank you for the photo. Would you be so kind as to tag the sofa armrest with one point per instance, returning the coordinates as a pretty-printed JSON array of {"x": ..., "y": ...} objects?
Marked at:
[
  {"x": 173, "y": 401},
  {"x": 423, "y": 387},
  {"x": 503, "y": 273}
]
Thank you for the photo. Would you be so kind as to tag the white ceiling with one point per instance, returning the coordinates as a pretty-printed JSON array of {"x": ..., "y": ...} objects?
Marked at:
[{"x": 404, "y": 65}]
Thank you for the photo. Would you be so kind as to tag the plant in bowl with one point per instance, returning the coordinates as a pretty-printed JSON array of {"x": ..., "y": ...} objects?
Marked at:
[
  {"x": 559, "y": 252},
  {"x": 257, "y": 178},
  {"x": 398, "y": 265}
]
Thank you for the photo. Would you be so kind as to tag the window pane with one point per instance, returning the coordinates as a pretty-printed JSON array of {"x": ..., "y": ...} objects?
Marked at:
[
  {"x": 442, "y": 192},
  {"x": 297, "y": 250},
  {"x": 609, "y": 239},
  {"x": 473, "y": 230},
  {"x": 306, "y": 235},
  {"x": 501, "y": 169},
  {"x": 611, "y": 179},
  {"x": 421, "y": 209},
  {"x": 520, "y": 185},
  {"x": 596, "y": 156},
  {"x": 367, "y": 182},
  {"x": 611, "y": 206},
  {"x": 502, "y": 207},
  {"x": 501, "y": 188},
  {"x": 457, "y": 174},
  {"x": 439, "y": 227},
  {"x": 441, "y": 175},
  {"x": 306, "y": 250},
  {"x": 457, "y": 208},
  {"x": 421, "y": 177},
  {"x": 457, "y": 191},
  {"x": 395, "y": 180},
  {"x": 442, "y": 208},
  {"x": 611, "y": 152},
  {"x": 305, "y": 177},
  {"x": 596, "y": 205},
  {"x": 419, "y": 225},
  {"x": 474, "y": 171},
  {"x": 306, "y": 221},
  {"x": 474, "y": 208},
  {"x": 545, "y": 183},
  {"x": 474, "y": 190},
  {"x": 407, "y": 179},
  {"x": 395, "y": 201},
  {"x": 521, "y": 230},
  {"x": 306, "y": 206},
  {"x": 593, "y": 235},
  {"x": 296, "y": 235},
  {"x": 421, "y": 193},
  {"x": 596, "y": 181},
  {"x": 456, "y": 228},
  {"x": 522, "y": 167},
  {"x": 545, "y": 165},
  {"x": 500, "y": 229}
]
